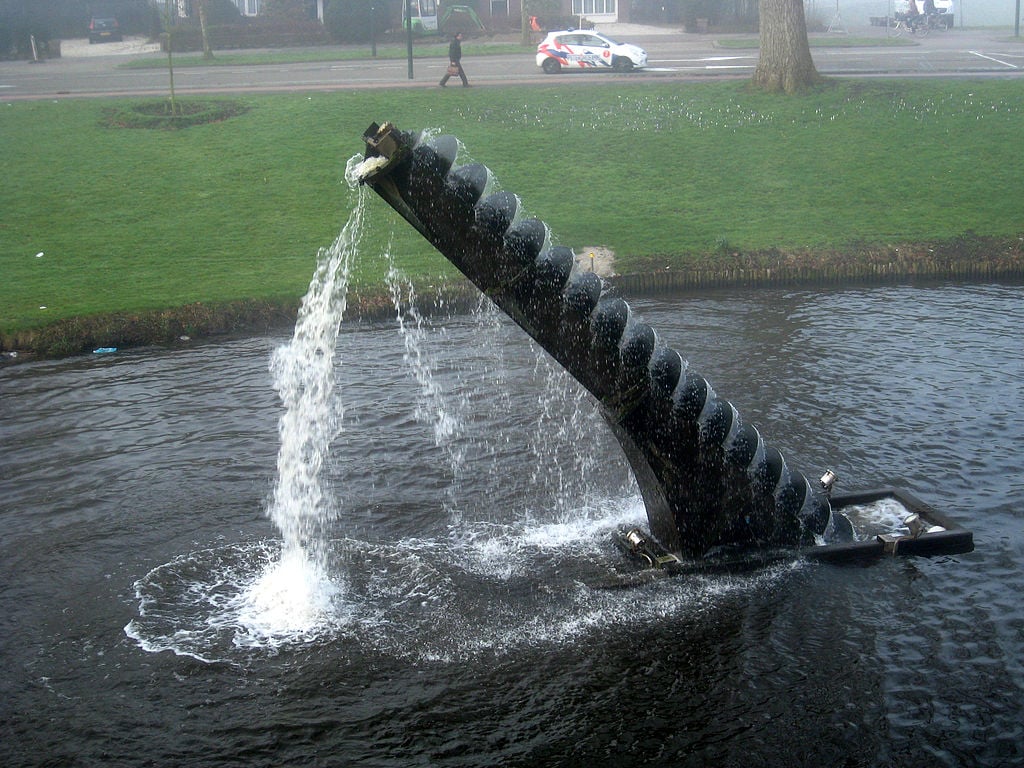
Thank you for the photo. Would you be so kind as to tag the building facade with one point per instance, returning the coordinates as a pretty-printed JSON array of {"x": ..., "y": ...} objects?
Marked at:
[
  {"x": 494, "y": 13},
  {"x": 254, "y": 7}
]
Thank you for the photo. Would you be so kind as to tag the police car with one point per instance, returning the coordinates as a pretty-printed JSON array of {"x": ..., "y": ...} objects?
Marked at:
[{"x": 586, "y": 49}]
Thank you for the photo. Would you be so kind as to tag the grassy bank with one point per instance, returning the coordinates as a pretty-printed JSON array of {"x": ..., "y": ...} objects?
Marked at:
[{"x": 666, "y": 175}]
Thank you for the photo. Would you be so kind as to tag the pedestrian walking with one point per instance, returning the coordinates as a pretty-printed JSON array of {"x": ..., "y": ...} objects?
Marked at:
[{"x": 455, "y": 62}]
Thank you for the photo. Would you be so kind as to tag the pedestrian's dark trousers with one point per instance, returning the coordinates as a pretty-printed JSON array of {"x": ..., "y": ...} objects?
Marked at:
[{"x": 462, "y": 74}]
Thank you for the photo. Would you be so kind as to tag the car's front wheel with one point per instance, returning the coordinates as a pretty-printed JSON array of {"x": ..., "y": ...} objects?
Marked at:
[
  {"x": 622, "y": 64},
  {"x": 551, "y": 66}
]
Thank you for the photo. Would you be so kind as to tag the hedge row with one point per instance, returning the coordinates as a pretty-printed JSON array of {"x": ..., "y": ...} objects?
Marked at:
[{"x": 250, "y": 35}]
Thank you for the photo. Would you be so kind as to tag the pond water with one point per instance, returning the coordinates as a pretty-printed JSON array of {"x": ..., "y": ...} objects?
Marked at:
[{"x": 473, "y": 494}]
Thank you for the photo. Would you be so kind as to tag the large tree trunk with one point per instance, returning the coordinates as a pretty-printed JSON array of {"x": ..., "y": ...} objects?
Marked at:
[{"x": 785, "y": 63}]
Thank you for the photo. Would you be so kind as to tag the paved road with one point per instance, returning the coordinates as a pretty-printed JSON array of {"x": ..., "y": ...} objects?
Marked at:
[{"x": 672, "y": 56}]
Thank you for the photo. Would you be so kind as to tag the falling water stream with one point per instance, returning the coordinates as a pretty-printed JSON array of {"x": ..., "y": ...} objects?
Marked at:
[
  {"x": 294, "y": 595},
  {"x": 297, "y": 593},
  {"x": 433, "y": 407}
]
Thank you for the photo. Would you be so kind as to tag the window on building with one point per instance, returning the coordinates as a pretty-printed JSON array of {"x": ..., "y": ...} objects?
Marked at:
[
  {"x": 593, "y": 7},
  {"x": 499, "y": 8}
]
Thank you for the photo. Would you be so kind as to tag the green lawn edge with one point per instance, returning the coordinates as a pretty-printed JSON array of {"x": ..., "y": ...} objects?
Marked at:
[
  {"x": 131, "y": 236},
  {"x": 421, "y": 50}
]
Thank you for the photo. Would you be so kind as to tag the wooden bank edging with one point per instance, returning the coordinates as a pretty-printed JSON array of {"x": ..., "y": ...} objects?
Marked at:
[
  {"x": 841, "y": 274},
  {"x": 195, "y": 322}
]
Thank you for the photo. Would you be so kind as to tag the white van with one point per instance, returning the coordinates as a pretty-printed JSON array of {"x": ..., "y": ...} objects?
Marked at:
[{"x": 942, "y": 7}]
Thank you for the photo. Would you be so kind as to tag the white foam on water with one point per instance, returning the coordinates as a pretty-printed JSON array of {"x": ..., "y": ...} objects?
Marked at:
[
  {"x": 211, "y": 603},
  {"x": 885, "y": 515},
  {"x": 292, "y": 600},
  {"x": 482, "y": 589},
  {"x": 510, "y": 550}
]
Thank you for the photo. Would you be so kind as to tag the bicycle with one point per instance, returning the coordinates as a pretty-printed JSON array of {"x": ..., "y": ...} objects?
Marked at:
[
  {"x": 933, "y": 22},
  {"x": 902, "y": 24},
  {"x": 917, "y": 25}
]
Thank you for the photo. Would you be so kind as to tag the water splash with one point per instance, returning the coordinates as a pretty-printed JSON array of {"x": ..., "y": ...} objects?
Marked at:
[
  {"x": 214, "y": 604},
  {"x": 293, "y": 598}
]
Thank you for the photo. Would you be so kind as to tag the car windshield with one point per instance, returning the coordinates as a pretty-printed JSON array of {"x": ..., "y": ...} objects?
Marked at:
[{"x": 590, "y": 41}]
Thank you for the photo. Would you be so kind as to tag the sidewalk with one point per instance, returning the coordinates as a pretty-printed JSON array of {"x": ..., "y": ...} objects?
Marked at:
[
  {"x": 78, "y": 48},
  {"x": 624, "y": 30}
]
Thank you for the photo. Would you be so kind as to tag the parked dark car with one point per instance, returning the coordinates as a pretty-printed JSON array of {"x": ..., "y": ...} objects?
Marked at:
[{"x": 104, "y": 30}]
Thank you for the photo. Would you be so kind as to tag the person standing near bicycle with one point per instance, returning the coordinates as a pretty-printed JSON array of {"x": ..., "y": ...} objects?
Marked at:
[{"x": 913, "y": 16}]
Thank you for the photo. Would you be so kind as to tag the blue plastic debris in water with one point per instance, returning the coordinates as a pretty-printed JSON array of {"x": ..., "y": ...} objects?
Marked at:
[{"x": 104, "y": 350}]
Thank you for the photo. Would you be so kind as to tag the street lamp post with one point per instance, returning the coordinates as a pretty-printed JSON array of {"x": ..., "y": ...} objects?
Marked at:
[
  {"x": 408, "y": 34},
  {"x": 373, "y": 30}
]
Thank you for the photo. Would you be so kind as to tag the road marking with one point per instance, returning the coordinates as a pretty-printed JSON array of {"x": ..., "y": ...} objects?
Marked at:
[
  {"x": 706, "y": 63},
  {"x": 706, "y": 58},
  {"x": 706, "y": 68},
  {"x": 993, "y": 58}
]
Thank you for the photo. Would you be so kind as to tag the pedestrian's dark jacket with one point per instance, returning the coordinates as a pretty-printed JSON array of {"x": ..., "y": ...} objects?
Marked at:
[{"x": 455, "y": 51}]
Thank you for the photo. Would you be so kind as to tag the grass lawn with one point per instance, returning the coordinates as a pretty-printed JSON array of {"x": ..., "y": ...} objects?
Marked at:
[
  {"x": 423, "y": 49},
  {"x": 822, "y": 41},
  {"x": 663, "y": 174}
]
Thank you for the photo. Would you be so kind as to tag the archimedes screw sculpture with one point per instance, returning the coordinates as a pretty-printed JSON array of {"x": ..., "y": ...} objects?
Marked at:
[{"x": 708, "y": 479}]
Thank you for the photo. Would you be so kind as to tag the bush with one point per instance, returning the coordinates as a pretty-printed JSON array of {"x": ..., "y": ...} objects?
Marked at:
[
  {"x": 740, "y": 15},
  {"x": 348, "y": 21},
  {"x": 222, "y": 12},
  {"x": 657, "y": 12},
  {"x": 249, "y": 33},
  {"x": 283, "y": 9}
]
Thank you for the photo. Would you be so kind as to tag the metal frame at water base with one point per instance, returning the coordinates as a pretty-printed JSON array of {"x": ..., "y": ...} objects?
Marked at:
[{"x": 952, "y": 539}]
